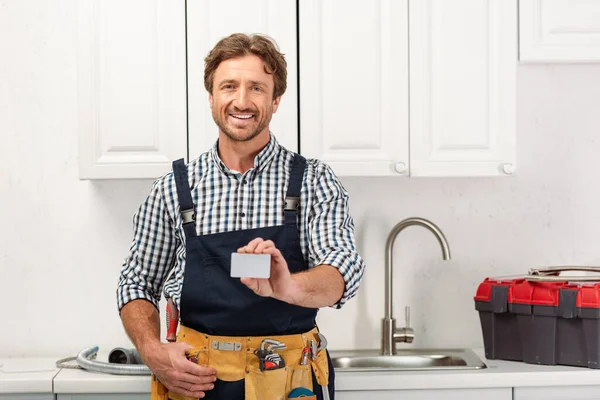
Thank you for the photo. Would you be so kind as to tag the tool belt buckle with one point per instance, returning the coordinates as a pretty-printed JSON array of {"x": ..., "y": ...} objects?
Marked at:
[{"x": 227, "y": 346}]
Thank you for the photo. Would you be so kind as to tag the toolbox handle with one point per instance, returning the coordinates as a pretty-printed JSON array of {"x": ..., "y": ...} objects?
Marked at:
[{"x": 550, "y": 274}]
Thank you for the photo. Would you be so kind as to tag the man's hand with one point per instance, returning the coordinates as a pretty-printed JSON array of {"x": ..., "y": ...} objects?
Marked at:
[
  {"x": 169, "y": 363},
  {"x": 280, "y": 285}
]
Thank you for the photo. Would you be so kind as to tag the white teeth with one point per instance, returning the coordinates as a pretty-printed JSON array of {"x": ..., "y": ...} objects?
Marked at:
[{"x": 242, "y": 116}]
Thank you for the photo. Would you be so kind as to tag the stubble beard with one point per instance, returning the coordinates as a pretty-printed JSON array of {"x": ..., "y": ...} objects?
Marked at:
[{"x": 236, "y": 138}]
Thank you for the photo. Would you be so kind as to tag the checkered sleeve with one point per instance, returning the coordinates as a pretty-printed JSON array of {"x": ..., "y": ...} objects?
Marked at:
[
  {"x": 152, "y": 251},
  {"x": 331, "y": 233}
]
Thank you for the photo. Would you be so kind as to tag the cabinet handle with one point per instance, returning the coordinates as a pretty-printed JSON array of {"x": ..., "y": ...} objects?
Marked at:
[
  {"x": 507, "y": 168},
  {"x": 401, "y": 168}
]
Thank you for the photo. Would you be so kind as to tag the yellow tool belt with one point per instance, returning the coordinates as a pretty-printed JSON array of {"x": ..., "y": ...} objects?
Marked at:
[{"x": 233, "y": 358}]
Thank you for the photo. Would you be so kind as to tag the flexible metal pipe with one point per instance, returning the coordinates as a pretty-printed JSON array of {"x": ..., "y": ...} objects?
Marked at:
[{"x": 84, "y": 361}]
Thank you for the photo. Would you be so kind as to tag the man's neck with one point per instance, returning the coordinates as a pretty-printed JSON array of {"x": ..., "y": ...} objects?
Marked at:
[{"x": 239, "y": 156}]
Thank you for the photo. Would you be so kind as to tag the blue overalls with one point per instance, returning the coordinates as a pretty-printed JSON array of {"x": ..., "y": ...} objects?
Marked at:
[{"x": 215, "y": 304}]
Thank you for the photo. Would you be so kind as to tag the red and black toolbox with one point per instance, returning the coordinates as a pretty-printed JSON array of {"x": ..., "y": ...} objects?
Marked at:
[{"x": 542, "y": 318}]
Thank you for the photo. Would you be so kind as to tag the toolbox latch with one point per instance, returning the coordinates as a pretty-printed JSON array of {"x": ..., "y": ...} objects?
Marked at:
[
  {"x": 499, "y": 299},
  {"x": 567, "y": 303}
]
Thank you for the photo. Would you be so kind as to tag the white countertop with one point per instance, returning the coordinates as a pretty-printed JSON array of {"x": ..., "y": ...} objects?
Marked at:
[
  {"x": 498, "y": 374},
  {"x": 27, "y": 375},
  {"x": 84, "y": 381}
]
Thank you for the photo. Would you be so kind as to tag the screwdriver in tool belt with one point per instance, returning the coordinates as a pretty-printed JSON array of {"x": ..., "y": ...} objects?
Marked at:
[{"x": 304, "y": 359}]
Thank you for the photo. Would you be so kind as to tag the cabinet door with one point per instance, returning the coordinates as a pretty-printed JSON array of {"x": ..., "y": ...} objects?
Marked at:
[
  {"x": 354, "y": 85},
  {"x": 211, "y": 20},
  {"x": 445, "y": 394},
  {"x": 132, "y": 106},
  {"x": 559, "y": 30},
  {"x": 26, "y": 396},
  {"x": 558, "y": 393},
  {"x": 463, "y": 58}
]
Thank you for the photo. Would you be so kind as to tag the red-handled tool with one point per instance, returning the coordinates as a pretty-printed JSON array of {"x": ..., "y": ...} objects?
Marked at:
[
  {"x": 304, "y": 359},
  {"x": 172, "y": 320}
]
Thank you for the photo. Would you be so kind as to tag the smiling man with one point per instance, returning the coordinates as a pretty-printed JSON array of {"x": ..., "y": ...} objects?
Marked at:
[
  {"x": 248, "y": 338},
  {"x": 241, "y": 98}
]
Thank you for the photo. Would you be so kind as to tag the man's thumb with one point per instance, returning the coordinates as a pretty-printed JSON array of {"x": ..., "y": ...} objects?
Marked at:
[{"x": 184, "y": 347}]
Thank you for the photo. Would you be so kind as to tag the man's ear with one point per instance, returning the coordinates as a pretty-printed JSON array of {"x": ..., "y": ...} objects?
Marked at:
[
  {"x": 210, "y": 100},
  {"x": 276, "y": 104}
]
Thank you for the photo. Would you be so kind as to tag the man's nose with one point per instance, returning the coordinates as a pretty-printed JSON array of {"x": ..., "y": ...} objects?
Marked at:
[{"x": 242, "y": 99}]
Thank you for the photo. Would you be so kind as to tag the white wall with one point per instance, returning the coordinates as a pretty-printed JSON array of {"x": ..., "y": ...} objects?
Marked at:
[{"x": 63, "y": 240}]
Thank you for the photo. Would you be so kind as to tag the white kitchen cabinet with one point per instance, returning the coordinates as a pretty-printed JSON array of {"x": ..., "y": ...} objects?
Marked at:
[
  {"x": 559, "y": 30},
  {"x": 557, "y": 393},
  {"x": 354, "y": 85},
  {"x": 132, "y": 87},
  {"x": 445, "y": 394},
  {"x": 26, "y": 396},
  {"x": 211, "y": 20},
  {"x": 426, "y": 89},
  {"x": 463, "y": 60},
  {"x": 139, "y": 108}
]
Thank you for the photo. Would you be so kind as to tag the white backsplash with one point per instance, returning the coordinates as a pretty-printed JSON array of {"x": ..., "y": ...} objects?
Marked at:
[{"x": 63, "y": 240}]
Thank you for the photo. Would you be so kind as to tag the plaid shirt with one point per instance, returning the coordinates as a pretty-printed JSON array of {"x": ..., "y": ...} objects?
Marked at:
[{"x": 226, "y": 200}]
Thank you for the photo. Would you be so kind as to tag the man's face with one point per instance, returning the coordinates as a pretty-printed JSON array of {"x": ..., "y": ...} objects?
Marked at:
[{"x": 242, "y": 98}]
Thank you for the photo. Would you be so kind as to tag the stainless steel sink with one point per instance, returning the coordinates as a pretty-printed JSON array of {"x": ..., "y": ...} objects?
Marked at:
[
  {"x": 389, "y": 357},
  {"x": 406, "y": 360}
]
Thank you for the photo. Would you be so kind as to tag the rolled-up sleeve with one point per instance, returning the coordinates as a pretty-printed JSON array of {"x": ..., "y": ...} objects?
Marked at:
[
  {"x": 151, "y": 253},
  {"x": 331, "y": 233}
]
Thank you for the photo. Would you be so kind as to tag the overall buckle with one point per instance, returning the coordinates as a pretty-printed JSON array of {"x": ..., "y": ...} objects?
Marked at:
[
  {"x": 188, "y": 215},
  {"x": 292, "y": 203}
]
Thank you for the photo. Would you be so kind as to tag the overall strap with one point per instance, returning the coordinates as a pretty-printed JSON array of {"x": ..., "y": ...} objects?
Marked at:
[
  {"x": 292, "y": 197},
  {"x": 188, "y": 214}
]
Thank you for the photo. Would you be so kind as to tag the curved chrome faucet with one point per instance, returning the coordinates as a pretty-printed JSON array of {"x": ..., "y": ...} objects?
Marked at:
[{"x": 391, "y": 335}]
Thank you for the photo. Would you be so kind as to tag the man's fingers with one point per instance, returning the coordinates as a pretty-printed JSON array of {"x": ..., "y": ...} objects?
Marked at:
[
  {"x": 250, "y": 247},
  {"x": 260, "y": 249},
  {"x": 192, "y": 389},
  {"x": 256, "y": 246},
  {"x": 259, "y": 286},
  {"x": 182, "y": 390},
  {"x": 252, "y": 284},
  {"x": 201, "y": 380},
  {"x": 183, "y": 346},
  {"x": 180, "y": 375},
  {"x": 273, "y": 251},
  {"x": 191, "y": 383},
  {"x": 191, "y": 380},
  {"x": 198, "y": 370}
]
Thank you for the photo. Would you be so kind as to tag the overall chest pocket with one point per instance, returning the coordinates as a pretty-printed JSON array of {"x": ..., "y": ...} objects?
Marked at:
[{"x": 229, "y": 305}]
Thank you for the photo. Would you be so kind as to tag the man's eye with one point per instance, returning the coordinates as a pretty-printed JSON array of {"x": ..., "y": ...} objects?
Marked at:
[
  {"x": 257, "y": 88},
  {"x": 228, "y": 87}
]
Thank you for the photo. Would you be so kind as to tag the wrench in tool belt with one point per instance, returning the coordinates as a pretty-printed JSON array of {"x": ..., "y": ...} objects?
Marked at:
[{"x": 322, "y": 347}]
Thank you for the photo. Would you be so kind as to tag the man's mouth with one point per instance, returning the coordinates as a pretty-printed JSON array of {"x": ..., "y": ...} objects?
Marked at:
[{"x": 242, "y": 116}]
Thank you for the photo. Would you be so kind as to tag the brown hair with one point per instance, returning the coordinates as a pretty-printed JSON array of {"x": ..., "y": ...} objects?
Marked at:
[{"x": 240, "y": 44}]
